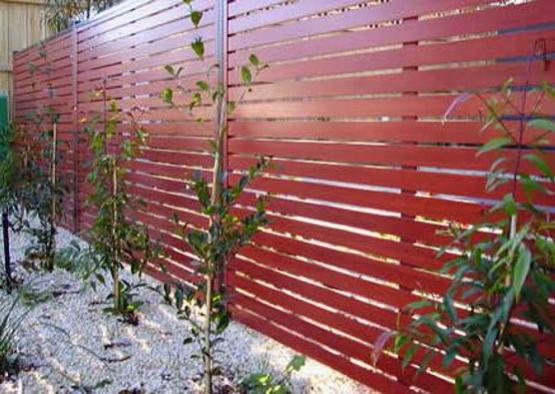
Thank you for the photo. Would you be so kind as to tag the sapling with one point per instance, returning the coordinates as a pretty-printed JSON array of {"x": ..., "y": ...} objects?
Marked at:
[
  {"x": 227, "y": 231},
  {"x": 16, "y": 180},
  {"x": 504, "y": 271},
  {"x": 9, "y": 204},
  {"x": 116, "y": 240},
  {"x": 46, "y": 187}
]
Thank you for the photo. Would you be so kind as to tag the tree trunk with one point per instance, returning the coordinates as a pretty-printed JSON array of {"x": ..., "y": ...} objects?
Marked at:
[
  {"x": 7, "y": 263},
  {"x": 53, "y": 197},
  {"x": 207, "y": 354},
  {"x": 115, "y": 262}
]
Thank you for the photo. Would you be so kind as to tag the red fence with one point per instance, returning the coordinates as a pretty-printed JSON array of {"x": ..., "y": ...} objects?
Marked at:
[{"x": 351, "y": 109}]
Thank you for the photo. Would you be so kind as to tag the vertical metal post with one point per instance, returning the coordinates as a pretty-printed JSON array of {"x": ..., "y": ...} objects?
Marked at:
[
  {"x": 221, "y": 60},
  {"x": 75, "y": 107},
  {"x": 7, "y": 262},
  {"x": 221, "y": 55},
  {"x": 407, "y": 70},
  {"x": 4, "y": 118}
]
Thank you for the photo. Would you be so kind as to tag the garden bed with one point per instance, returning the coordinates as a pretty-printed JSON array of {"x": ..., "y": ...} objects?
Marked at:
[{"x": 68, "y": 344}]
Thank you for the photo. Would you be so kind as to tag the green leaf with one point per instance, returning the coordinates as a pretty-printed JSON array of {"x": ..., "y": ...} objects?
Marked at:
[
  {"x": 409, "y": 353},
  {"x": 543, "y": 124},
  {"x": 231, "y": 105},
  {"x": 203, "y": 85},
  {"x": 246, "y": 75},
  {"x": 296, "y": 363},
  {"x": 167, "y": 95},
  {"x": 521, "y": 269},
  {"x": 509, "y": 205},
  {"x": 418, "y": 305},
  {"x": 540, "y": 164},
  {"x": 198, "y": 47},
  {"x": 459, "y": 386},
  {"x": 487, "y": 346},
  {"x": 169, "y": 70},
  {"x": 196, "y": 17},
  {"x": 494, "y": 144},
  {"x": 253, "y": 59},
  {"x": 449, "y": 357},
  {"x": 530, "y": 185}
]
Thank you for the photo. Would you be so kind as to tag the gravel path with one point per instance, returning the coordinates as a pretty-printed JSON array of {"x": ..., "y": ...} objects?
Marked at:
[{"x": 71, "y": 346}]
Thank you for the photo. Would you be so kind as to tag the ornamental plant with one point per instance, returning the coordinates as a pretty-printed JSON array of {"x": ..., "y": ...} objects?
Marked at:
[
  {"x": 46, "y": 188},
  {"x": 504, "y": 270},
  {"x": 9, "y": 201},
  {"x": 16, "y": 179},
  {"x": 60, "y": 14},
  {"x": 266, "y": 383},
  {"x": 227, "y": 231},
  {"x": 116, "y": 241},
  {"x": 10, "y": 322}
]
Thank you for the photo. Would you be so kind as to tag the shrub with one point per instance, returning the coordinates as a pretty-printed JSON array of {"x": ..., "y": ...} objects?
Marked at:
[
  {"x": 504, "y": 271},
  {"x": 227, "y": 231},
  {"x": 45, "y": 187},
  {"x": 116, "y": 240},
  {"x": 265, "y": 383}
]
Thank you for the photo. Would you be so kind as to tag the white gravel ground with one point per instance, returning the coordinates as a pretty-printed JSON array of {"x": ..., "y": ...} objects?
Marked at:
[{"x": 71, "y": 346}]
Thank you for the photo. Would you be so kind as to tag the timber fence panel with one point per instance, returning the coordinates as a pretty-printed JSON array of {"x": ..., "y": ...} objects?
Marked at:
[{"x": 352, "y": 111}]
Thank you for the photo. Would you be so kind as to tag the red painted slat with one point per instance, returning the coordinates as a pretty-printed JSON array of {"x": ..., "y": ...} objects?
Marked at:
[
  {"x": 462, "y": 24},
  {"x": 378, "y": 381},
  {"x": 393, "y": 57}
]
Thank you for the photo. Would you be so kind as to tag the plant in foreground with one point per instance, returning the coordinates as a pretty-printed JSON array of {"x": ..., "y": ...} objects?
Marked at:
[
  {"x": 10, "y": 321},
  {"x": 504, "y": 271},
  {"x": 116, "y": 240},
  {"x": 227, "y": 231},
  {"x": 265, "y": 383},
  {"x": 9, "y": 187}
]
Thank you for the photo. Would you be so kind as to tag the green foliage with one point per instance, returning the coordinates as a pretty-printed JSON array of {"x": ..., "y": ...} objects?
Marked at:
[
  {"x": 504, "y": 271},
  {"x": 10, "y": 321},
  {"x": 10, "y": 166},
  {"x": 116, "y": 241},
  {"x": 42, "y": 187},
  {"x": 24, "y": 185},
  {"x": 265, "y": 383},
  {"x": 227, "y": 231},
  {"x": 60, "y": 14}
]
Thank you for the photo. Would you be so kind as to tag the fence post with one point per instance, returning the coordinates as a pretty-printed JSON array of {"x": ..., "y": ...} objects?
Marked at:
[
  {"x": 222, "y": 61},
  {"x": 75, "y": 106},
  {"x": 409, "y": 118}
]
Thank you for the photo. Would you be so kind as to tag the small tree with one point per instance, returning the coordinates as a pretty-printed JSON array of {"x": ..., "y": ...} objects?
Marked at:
[
  {"x": 115, "y": 239},
  {"x": 46, "y": 188},
  {"x": 9, "y": 204},
  {"x": 60, "y": 14},
  {"x": 227, "y": 231},
  {"x": 505, "y": 268}
]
